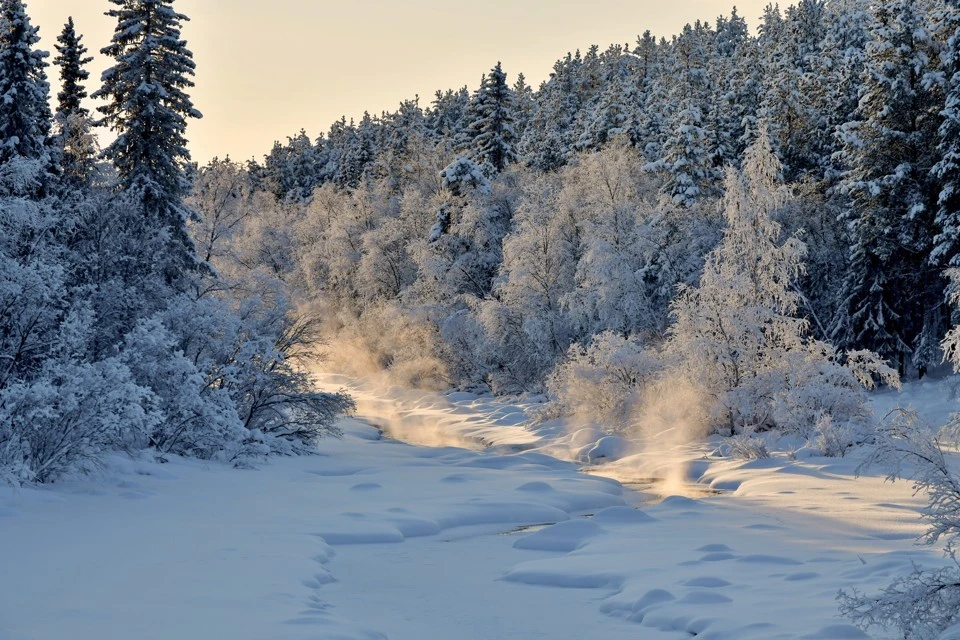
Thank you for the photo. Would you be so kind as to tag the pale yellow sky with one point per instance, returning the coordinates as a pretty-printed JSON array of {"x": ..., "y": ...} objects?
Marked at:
[{"x": 267, "y": 68}]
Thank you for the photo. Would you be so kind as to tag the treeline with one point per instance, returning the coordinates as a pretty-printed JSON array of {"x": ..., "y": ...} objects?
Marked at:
[{"x": 115, "y": 334}]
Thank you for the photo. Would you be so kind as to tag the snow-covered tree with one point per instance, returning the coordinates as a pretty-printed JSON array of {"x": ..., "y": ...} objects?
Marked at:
[
  {"x": 547, "y": 143},
  {"x": 946, "y": 250},
  {"x": 491, "y": 135},
  {"x": 738, "y": 335},
  {"x": 72, "y": 59},
  {"x": 686, "y": 155},
  {"x": 25, "y": 118},
  {"x": 611, "y": 292},
  {"x": 148, "y": 107},
  {"x": 791, "y": 48},
  {"x": 74, "y": 137},
  {"x": 892, "y": 293},
  {"x": 446, "y": 112}
]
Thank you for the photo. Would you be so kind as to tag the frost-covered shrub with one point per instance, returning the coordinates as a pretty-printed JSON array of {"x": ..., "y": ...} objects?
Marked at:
[
  {"x": 834, "y": 440},
  {"x": 248, "y": 357},
  {"x": 748, "y": 447},
  {"x": 198, "y": 417},
  {"x": 924, "y": 603},
  {"x": 385, "y": 339},
  {"x": 600, "y": 382},
  {"x": 32, "y": 286},
  {"x": 69, "y": 415},
  {"x": 463, "y": 349}
]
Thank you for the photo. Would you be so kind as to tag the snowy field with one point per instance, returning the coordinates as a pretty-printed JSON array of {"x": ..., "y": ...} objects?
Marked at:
[{"x": 477, "y": 527}]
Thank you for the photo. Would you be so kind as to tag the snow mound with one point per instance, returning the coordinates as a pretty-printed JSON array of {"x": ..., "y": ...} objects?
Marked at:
[{"x": 564, "y": 536}]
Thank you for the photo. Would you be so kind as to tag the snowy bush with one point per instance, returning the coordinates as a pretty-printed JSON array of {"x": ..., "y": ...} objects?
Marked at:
[
  {"x": 385, "y": 339},
  {"x": 249, "y": 359},
  {"x": 747, "y": 447},
  {"x": 834, "y": 440},
  {"x": 198, "y": 417},
  {"x": 926, "y": 602},
  {"x": 70, "y": 414},
  {"x": 601, "y": 382}
]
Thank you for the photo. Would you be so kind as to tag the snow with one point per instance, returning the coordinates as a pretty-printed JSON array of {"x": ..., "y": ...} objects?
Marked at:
[{"x": 486, "y": 528}]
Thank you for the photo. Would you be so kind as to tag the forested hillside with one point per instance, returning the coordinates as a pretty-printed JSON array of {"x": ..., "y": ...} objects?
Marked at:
[{"x": 505, "y": 237}]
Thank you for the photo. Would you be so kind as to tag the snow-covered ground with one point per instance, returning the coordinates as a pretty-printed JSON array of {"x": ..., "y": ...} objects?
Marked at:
[{"x": 484, "y": 528}]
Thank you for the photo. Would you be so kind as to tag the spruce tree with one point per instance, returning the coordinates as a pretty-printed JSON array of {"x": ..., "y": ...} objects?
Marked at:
[
  {"x": 686, "y": 155},
  {"x": 444, "y": 119},
  {"x": 891, "y": 292},
  {"x": 837, "y": 75},
  {"x": 784, "y": 101},
  {"x": 526, "y": 103},
  {"x": 25, "y": 117},
  {"x": 492, "y": 134},
  {"x": 72, "y": 59},
  {"x": 74, "y": 138},
  {"x": 148, "y": 108},
  {"x": 946, "y": 250}
]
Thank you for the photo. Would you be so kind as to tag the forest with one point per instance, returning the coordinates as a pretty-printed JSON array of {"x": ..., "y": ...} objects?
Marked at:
[{"x": 762, "y": 220}]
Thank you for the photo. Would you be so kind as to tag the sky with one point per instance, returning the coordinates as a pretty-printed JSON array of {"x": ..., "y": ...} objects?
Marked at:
[{"x": 268, "y": 68}]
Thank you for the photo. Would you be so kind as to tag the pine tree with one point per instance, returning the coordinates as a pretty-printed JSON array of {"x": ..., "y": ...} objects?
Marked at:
[
  {"x": 654, "y": 89},
  {"x": 615, "y": 110},
  {"x": 25, "y": 118},
  {"x": 445, "y": 116},
  {"x": 732, "y": 94},
  {"x": 148, "y": 108},
  {"x": 546, "y": 143},
  {"x": 492, "y": 133},
  {"x": 74, "y": 137}
]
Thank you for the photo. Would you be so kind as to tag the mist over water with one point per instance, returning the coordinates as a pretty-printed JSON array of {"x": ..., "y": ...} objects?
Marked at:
[{"x": 400, "y": 389}]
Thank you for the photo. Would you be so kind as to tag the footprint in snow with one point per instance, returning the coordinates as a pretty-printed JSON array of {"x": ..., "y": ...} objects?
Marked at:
[{"x": 366, "y": 486}]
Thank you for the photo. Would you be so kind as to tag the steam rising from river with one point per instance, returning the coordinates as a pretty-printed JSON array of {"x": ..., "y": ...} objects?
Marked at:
[{"x": 385, "y": 362}]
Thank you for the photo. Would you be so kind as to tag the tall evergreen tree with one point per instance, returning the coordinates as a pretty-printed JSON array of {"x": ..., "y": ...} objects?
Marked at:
[
  {"x": 74, "y": 138},
  {"x": 946, "y": 250},
  {"x": 25, "y": 117},
  {"x": 891, "y": 292},
  {"x": 148, "y": 107},
  {"x": 732, "y": 94},
  {"x": 547, "y": 142},
  {"x": 72, "y": 60},
  {"x": 784, "y": 102},
  {"x": 686, "y": 155},
  {"x": 492, "y": 134},
  {"x": 525, "y": 103},
  {"x": 835, "y": 90},
  {"x": 445, "y": 116}
]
